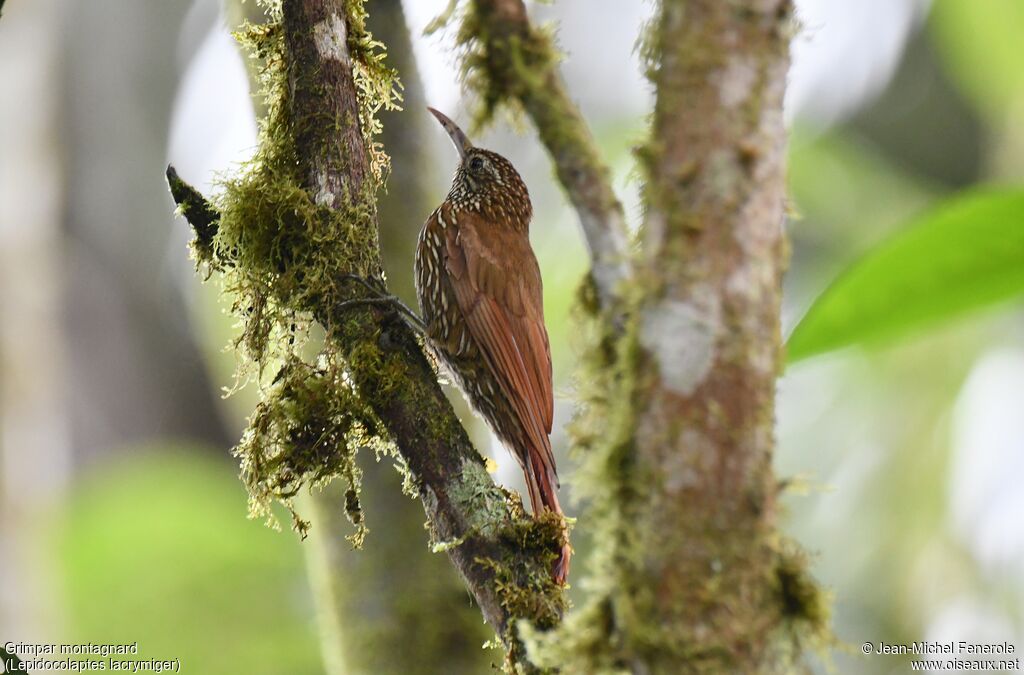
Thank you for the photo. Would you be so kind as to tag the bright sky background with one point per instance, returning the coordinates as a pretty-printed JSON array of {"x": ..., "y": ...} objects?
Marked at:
[{"x": 844, "y": 56}]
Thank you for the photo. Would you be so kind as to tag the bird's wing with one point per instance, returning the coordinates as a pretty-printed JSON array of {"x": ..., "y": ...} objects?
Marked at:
[{"x": 498, "y": 287}]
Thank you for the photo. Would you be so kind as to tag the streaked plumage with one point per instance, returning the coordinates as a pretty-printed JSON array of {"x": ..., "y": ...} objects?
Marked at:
[{"x": 480, "y": 294}]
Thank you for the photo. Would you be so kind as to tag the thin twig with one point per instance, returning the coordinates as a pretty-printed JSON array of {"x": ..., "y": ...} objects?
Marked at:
[
  {"x": 196, "y": 210},
  {"x": 10, "y": 660}
]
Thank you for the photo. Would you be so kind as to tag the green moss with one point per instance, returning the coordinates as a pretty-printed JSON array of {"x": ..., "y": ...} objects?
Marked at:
[
  {"x": 527, "y": 590},
  {"x": 502, "y": 70},
  {"x": 534, "y": 602},
  {"x": 805, "y": 607},
  {"x": 284, "y": 259},
  {"x": 305, "y": 433}
]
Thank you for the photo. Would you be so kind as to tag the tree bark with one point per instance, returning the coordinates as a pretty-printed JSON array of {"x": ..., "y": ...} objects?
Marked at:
[{"x": 708, "y": 336}]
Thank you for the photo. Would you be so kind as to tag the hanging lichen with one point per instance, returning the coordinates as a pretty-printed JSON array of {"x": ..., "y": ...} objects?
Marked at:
[
  {"x": 306, "y": 432},
  {"x": 377, "y": 84},
  {"x": 284, "y": 259}
]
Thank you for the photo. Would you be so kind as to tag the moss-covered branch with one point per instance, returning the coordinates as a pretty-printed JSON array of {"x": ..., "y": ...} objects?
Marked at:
[
  {"x": 508, "y": 60},
  {"x": 196, "y": 210},
  {"x": 292, "y": 227}
]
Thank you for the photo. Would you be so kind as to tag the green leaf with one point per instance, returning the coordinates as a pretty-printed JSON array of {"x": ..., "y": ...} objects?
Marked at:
[{"x": 965, "y": 254}]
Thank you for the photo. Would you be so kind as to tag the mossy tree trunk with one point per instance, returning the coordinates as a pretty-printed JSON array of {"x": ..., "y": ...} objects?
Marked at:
[{"x": 700, "y": 580}]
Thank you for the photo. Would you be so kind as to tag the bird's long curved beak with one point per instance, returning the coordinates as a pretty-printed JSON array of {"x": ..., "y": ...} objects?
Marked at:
[{"x": 458, "y": 137}]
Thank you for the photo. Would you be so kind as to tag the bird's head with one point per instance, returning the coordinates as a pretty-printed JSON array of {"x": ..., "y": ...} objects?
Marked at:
[{"x": 485, "y": 181}]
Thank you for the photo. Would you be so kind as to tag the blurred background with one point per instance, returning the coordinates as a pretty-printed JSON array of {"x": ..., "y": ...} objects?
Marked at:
[{"x": 121, "y": 518}]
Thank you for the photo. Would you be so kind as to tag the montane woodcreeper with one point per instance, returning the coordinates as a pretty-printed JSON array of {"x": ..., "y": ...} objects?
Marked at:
[{"x": 480, "y": 295}]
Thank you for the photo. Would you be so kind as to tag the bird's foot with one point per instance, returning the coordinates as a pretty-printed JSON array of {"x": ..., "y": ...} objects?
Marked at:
[
  {"x": 560, "y": 569},
  {"x": 380, "y": 296}
]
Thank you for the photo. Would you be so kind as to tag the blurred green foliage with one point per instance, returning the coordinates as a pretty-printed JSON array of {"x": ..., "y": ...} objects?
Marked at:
[
  {"x": 966, "y": 253},
  {"x": 157, "y": 549},
  {"x": 883, "y": 251},
  {"x": 981, "y": 45},
  {"x": 851, "y": 193}
]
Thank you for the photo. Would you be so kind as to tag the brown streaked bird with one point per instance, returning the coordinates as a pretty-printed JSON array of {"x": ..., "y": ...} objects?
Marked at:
[{"x": 480, "y": 294}]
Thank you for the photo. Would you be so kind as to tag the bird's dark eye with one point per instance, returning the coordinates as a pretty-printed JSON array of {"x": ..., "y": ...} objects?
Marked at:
[{"x": 476, "y": 163}]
